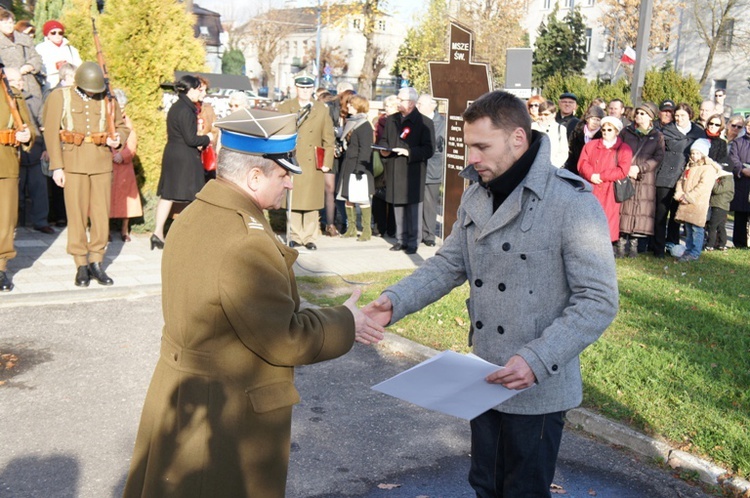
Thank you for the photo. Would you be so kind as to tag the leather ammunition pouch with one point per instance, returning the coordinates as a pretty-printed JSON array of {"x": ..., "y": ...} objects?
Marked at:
[
  {"x": 8, "y": 137},
  {"x": 71, "y": 137}
]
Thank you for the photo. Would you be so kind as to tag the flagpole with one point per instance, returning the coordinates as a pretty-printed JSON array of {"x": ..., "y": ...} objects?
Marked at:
[{"x": 641, "y": 51}]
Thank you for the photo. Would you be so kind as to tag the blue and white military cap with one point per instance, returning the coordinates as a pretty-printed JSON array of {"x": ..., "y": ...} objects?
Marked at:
[{"x": 261, "y": 132}]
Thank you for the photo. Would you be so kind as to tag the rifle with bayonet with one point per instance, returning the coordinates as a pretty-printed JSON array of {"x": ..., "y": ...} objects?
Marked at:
[
  {"x": 10, "y": 98},
  {"x": 111, "y": 103}
]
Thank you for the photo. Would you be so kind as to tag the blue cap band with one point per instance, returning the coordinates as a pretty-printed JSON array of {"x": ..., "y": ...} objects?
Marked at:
[{"x": 257, "y": 145}]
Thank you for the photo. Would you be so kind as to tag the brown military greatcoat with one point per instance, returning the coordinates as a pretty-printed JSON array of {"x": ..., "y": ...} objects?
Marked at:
[
  {"x": 217, "y": 417},
  {"x": 315, "y": 130}
]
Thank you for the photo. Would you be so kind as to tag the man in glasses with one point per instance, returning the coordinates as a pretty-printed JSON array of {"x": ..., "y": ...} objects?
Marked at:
[
  {"x": 566, "y": 114},
  {"x": 56, "y": 51},
  {"x": 720, "y": 107}
]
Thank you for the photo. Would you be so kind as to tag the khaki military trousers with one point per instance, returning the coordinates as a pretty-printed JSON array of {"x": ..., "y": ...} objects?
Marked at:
[
  {"x": 8, "y": 219},
  {"x": 305, "y": 226},
  {"x": 87, "y": 197}
]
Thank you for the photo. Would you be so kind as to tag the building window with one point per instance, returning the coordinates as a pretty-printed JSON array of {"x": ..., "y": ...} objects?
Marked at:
[
  {"x": 567, "y": 4},
  {"x": 357, "y": 23},
  {"x": 204, "y": 31},
  {"x": 726, "y": 35},
  {"x": 547, "y": 4},
  {"x": 381, "y": 25},
  {"x": 609, "y": 42},
  {"x": 590, "y": 3},
  {"x": 589, "y": 34}
]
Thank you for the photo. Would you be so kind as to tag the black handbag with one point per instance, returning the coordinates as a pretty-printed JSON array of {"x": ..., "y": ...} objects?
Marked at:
[{"x": 624, "y": 189}]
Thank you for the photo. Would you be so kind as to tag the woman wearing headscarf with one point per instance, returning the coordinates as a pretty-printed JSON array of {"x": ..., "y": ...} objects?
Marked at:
[
  {"x": 637, "y": 213},
  {"x": 678, "y": 137},
  {"x": 603, "y": 161},
  {"x": 585, "y": 131},
  {"x": 181, "y": 167}
]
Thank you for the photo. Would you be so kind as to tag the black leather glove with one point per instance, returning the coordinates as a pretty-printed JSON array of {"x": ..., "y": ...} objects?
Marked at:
[{"x": 359, "y": 174}]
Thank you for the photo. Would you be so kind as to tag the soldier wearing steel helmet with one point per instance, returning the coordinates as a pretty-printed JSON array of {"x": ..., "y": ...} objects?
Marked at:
[{"x": 75, "y": 132}]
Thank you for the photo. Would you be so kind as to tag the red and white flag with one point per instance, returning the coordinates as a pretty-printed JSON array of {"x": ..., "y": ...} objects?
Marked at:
[{"x": 628, "y": 57}]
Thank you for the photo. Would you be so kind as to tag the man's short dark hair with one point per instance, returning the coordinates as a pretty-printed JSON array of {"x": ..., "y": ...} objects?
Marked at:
[
  {"x": 622, "y": 104},
  {"x": 506, "y": 112}
]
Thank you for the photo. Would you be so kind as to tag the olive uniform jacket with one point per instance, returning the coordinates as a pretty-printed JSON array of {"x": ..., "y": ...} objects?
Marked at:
[
  {"x": 87, "y": 118},
  {"x": 217, "y": 417},
  {"x": 9, "y": 155},
  {"x": 315, "y": 131}
]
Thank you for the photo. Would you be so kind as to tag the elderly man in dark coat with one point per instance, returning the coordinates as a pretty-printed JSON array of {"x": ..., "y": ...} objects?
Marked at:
[
  {"x": 218, "y": 413},
  {"x": 410, "y": 139}
]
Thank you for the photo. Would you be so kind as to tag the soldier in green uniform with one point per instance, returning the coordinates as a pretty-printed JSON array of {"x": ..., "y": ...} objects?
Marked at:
[
  {"x": 75, "y": 132},
  {"x": 217, "y": 417},
  {"x": 10, "y": 140},
  {"x": 315, "y": 129}
]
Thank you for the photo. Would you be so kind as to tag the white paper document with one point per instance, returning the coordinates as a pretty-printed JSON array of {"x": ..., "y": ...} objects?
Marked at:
[{"x": 450, "y": 383}]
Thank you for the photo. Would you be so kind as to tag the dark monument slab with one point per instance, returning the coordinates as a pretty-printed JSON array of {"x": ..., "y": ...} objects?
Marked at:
[{"x": 460, "y": 81}]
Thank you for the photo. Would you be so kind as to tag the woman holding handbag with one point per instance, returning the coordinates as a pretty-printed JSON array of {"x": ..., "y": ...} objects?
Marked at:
[
  {"x": 356, "y": 184},
  {"x": 637, "y": 213},
  {"x": 603, "y": 161}
]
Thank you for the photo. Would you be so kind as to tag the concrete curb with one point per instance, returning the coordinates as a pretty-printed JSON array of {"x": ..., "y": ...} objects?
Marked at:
[
  {"x": 609, "y": 431},
  {"x": 88, "y": 294}
]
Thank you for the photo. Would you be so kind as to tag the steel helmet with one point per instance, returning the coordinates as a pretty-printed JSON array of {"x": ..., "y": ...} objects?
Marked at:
[{"x": 89, "y": 77}]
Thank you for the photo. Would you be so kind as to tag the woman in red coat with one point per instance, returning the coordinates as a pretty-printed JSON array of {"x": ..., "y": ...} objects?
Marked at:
[{"x": 604, "y": 161}]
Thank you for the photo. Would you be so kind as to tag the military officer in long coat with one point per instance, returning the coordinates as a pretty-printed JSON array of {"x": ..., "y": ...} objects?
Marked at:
[
  {"x": 81, "y": 161},
  {"x": 315, "y": 129},
  {"x": 217, "y": 417},
  {"x": 12, "y": 137}
]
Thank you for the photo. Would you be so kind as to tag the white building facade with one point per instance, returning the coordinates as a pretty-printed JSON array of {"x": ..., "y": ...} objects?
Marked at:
[{"x": 686, "y": 50}]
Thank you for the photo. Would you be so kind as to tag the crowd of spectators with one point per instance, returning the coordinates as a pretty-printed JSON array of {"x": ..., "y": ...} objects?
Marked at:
[{"x": 687, "y": 171}]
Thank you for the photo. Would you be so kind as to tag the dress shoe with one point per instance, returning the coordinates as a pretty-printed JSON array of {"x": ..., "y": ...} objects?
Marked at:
[
  {"x": 397, "y": 247},
  {"x": 96, "y": 271},
  {"x": 61, "y": 223},
  {"x": 45, "y": 229},
  {"x": 429, "y": 243},
  {"x": 410, "y": 250},
  {"x": 156, "y": 242},
  {"x": 5, "y": 284},
  {"x": 82, "y": 276},
  {"x": 311, "y": 246},
  {"x": 331, "y": 231},
  {"x": 294, "y": 244},
  {"x": 125, "y": 237}
]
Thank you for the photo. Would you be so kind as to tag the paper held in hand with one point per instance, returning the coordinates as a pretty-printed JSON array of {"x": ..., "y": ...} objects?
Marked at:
[{"x": 450, "y": 383}]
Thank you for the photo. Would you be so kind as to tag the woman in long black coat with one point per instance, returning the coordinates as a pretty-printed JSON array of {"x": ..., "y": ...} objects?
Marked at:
[{"x": 181, "y": 167}]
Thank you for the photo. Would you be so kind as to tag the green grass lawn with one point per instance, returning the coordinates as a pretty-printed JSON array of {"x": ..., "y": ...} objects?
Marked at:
[{"x": 675, "y": 364}]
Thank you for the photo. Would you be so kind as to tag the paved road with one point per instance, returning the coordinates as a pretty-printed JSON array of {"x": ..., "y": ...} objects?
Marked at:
[{"x": 70, "y": 414}]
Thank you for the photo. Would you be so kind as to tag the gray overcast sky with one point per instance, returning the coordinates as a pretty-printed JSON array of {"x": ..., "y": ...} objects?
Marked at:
[{"x": 242, "y": 9}]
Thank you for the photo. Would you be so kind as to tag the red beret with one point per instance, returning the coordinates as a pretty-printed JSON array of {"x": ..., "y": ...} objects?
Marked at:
[{"x": 50, "y": 25}]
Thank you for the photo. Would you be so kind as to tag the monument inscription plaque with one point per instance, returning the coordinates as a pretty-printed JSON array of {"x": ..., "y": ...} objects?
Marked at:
[{"x": 459, "y": 81}]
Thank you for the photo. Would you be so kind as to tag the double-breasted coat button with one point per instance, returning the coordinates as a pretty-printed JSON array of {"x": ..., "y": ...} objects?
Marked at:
[
  {"x": 479, "y": 325},
  {"x": 478, "y": 282},
  {"x": 174, "y": 356},
  {"x": 501, "y": 287},
  {"x": 500, "y": 329},
  {"x": 554, "y": 368},
  {"x": 506, "y": 247},
  {"x": 523, "y": 257}
]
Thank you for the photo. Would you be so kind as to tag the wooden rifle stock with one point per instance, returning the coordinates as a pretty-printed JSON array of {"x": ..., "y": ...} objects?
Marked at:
[
  {"x": 111, "y": 131},
  {"x": 18, "y": 123}
]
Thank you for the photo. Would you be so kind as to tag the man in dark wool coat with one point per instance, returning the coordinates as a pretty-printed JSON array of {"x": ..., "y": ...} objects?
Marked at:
[
  {"x": 410, "y": 138},
  {"x": 217, "y": 417}
]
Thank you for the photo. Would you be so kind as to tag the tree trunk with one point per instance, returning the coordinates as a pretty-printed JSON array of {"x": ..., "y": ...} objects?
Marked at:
[{"x": 370, "y": 10}]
